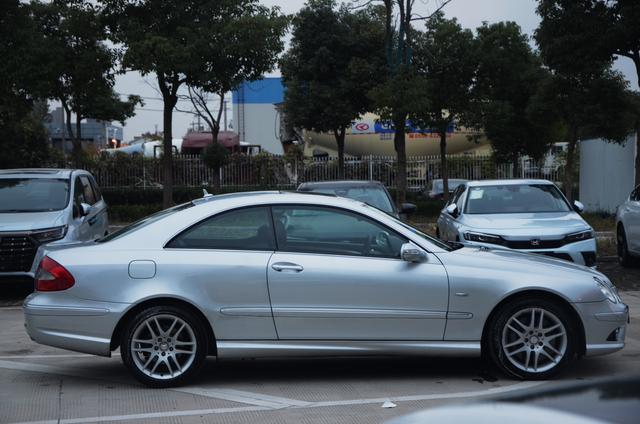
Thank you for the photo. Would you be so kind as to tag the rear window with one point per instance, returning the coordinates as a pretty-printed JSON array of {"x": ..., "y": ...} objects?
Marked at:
[
  {"x": 33, "y": 194},
  {"x": 144, "y": 222}
]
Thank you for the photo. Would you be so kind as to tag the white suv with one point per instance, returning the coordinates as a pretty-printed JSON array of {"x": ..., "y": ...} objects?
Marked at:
[{"x": 40, "y": 206}]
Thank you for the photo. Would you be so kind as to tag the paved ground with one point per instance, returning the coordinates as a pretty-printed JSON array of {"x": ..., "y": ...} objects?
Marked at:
[{"x": 43, "y": 384}]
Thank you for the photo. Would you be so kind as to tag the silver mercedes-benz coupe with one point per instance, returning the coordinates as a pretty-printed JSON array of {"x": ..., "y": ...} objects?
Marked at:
[{"x": 274, "y": 274}]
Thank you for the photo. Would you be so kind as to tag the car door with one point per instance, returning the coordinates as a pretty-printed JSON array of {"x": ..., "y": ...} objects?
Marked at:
[
  {"x": 446, "y": 221},
  {"x": 338, "y": 275},
  {"x": 226, "y": 255},
  {"x": 101, "y": 226},
  {"x": 83, "y": 230},
  {"x": 93, "y": 220},
  {"x": 632, "y": 218}
]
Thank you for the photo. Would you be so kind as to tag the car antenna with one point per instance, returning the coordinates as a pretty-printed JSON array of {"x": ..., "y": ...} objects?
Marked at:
[{"x": 205, "y": 193}]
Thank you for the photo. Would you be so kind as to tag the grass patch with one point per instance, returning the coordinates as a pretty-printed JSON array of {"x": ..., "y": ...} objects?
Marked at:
[{"x": 600, "y": 221}]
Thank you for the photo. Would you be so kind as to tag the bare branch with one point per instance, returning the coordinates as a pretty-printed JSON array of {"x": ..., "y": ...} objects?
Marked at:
[{"x": 426, "y": 18}]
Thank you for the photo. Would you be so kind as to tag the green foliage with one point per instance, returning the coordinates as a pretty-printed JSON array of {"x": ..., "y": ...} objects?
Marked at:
[
  {"x": 215, "y": 156},
  {"x": 508, "y": 75}
]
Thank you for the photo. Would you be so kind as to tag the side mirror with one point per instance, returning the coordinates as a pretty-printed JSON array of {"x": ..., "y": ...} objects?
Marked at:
[
  {"x": 408, "y": 208},
  {"x": 409, "y": 252},
  {"x": 85, "y": 209},
  {"x": 578, "y": 206},
  {"x": 452, "y": 210}
]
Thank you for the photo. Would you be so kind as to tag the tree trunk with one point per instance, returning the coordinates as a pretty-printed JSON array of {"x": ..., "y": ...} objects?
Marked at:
[
  {"x": 444, "y": 167},
  {"x": 567, "y": 184},
  {"x": 515, "y": 165},
  {"x": 339, "y": 135},
  {"x": 75, "y": 152},
  {"x": 399, "y": 143},
  {"x": 167, "y": 145},
  {"x": 637, "y": 166},
  {"x": 77, "y": 147}
]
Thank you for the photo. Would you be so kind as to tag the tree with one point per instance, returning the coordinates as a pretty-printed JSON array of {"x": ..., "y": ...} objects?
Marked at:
[
  {"x": 508, "y": 75},
  {"x": 215, "y": 156},
  {"x": 446, "y": 59},
  {"x": 589, "y": 34},
  {"x": 598, "y": 106},
  {"x": 24, "y": 140},
  {"x": 180, "y": 42},
  {"x": 80, "y": 65},
  {"x": 334, "y": 59},
  {"x": 256, "y": 32}
]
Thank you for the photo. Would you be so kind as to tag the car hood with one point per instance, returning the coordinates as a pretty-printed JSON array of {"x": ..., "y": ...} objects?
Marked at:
[
  {"x": 28, "y": 221},
  {"x": 526, "y": 224}
]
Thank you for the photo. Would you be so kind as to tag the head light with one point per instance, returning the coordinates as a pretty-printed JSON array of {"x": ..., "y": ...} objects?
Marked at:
[
  {"x": 579, "y": 236},
  {"x": 50, "y": 234},
  {"x": 483, "y": 238},
  {"x": 607, "y": 290}
]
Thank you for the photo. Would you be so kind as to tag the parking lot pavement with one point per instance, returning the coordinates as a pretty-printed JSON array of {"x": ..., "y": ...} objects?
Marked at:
[{"x": 47, "y": 385}]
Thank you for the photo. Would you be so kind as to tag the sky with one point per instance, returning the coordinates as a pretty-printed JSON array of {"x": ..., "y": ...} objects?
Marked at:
[{"x": 470, "y": 14}]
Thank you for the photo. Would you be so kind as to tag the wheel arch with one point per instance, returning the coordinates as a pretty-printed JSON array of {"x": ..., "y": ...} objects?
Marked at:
[
  {"x": 539, "y": 294},
  {"x": 164, "y": 301}
]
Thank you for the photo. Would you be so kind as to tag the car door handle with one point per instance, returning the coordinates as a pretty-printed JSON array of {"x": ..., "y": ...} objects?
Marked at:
[{"x": 286, "y": 267}]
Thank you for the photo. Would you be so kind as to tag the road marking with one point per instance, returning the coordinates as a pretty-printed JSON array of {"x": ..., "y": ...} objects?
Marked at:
[
  {"x": 156, "y": 415},
  {"x": 151, "y": 415},
  {"x": 240, "y": 396}
]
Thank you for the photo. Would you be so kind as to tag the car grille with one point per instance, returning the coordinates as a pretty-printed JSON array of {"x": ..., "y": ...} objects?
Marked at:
[
  {"x": 16, "y": 253},
  {"x": 535, "y": 244}
]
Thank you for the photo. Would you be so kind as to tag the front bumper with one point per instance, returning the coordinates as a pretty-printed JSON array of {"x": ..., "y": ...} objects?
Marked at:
[
  {"x": 581, "y": 252},
  {"x": 63, "y": 321},
  {"x": 605, "y": 325}
]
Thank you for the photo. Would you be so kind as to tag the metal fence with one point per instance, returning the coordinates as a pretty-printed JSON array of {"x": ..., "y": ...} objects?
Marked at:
[{"x": 274, "y": 171}]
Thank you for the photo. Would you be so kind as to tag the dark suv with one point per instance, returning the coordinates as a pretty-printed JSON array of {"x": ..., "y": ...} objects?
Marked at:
[{"x": 373, "y": 193}]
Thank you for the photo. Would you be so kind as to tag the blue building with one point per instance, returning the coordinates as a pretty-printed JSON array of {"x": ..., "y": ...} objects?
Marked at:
[{"x": 256, "y": 117}]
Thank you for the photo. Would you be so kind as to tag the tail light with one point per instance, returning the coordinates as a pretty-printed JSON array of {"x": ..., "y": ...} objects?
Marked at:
[{"x": 51, "y": 276}]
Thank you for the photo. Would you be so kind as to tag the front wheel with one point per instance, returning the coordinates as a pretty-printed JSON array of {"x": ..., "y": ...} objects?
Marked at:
[
  {"x": 532, "y": 339},
  {"x": 164, "y": 346}
]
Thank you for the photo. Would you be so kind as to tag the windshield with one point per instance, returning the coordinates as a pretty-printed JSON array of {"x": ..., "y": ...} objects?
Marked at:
[
  {"x": 516, "y": 198},
  {"x": 33, "y": 194},
  {"x": 374, "y": 196},
  {"x": 143, "y": 222}
]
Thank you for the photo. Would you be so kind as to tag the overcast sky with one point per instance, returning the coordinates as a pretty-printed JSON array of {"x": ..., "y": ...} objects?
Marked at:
[{"x": 470, "y": 13}]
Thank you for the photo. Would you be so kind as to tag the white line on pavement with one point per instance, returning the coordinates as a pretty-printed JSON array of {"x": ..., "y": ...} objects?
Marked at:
[
  {"x": 241, "y": 396},
  {"x": 54, "y": 356}
]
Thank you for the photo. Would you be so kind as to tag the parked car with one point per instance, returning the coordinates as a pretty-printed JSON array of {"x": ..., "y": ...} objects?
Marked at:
[
  {"x": 276, "y": 274},
  {"x": 435, "y": 189},
  {"x": 609, "y": 400},
  {"x": 527, "y": 215},
  {"x": 628, "y": 229},
  {"x": 373, "y": 193},
  {"x": 39, "y": 206}
]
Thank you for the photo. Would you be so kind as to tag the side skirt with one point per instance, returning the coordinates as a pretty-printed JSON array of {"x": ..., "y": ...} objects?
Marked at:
[{"x": 235, "y": 349}]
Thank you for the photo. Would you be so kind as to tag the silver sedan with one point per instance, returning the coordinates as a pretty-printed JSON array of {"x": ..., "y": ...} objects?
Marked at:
[{"x": 273, "y": 274}]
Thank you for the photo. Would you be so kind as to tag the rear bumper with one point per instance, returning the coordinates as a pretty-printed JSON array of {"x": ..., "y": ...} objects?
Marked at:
[{"x": 70, "y": 323}]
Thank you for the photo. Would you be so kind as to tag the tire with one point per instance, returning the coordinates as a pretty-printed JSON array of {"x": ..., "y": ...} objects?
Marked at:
[
  {"x": 532, "y": 356},
  {"x": 173, "y": 350},
  {"x": 624, "y": 257},
  {"x": 438, "y": 233}
]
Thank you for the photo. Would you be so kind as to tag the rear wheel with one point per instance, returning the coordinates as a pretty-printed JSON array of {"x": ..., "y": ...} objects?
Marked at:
[
  {"x": 532, "y": 339},
  {"x": 164, "y": 346},
  {"x": 624, "y": 257}
]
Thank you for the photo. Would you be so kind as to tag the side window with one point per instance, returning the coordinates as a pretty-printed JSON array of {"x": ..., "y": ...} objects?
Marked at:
[
  {"x": 458, "y": 195},
  {"x": 89, "y": 196},
  {"x": 454, "y": 196},
  {"x": 239, "y": 229},
  {"x": 96, "y": 190},
  {"x": 78, "y": 194},
  {"x": 635, "y": 194},
  {"x": 323, "y": 230}
]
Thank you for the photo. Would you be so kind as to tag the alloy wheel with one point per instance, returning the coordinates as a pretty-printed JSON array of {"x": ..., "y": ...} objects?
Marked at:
[
  {"x": 163, "y": 346},
  {"x": 534, "y": 340}
]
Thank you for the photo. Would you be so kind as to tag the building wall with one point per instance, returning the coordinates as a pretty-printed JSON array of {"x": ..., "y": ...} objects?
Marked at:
[
  {"x": 255, "y": 117},
  {"x": 607, "y": 173},
  {"x": 92, "y": 131}
]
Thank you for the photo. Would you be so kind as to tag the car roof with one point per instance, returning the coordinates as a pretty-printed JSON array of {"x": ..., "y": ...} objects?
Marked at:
[
  {"x": 484, "y": 183},
  {"x": 38, "y": 173},
  {"x": 340, "y": 184}
]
